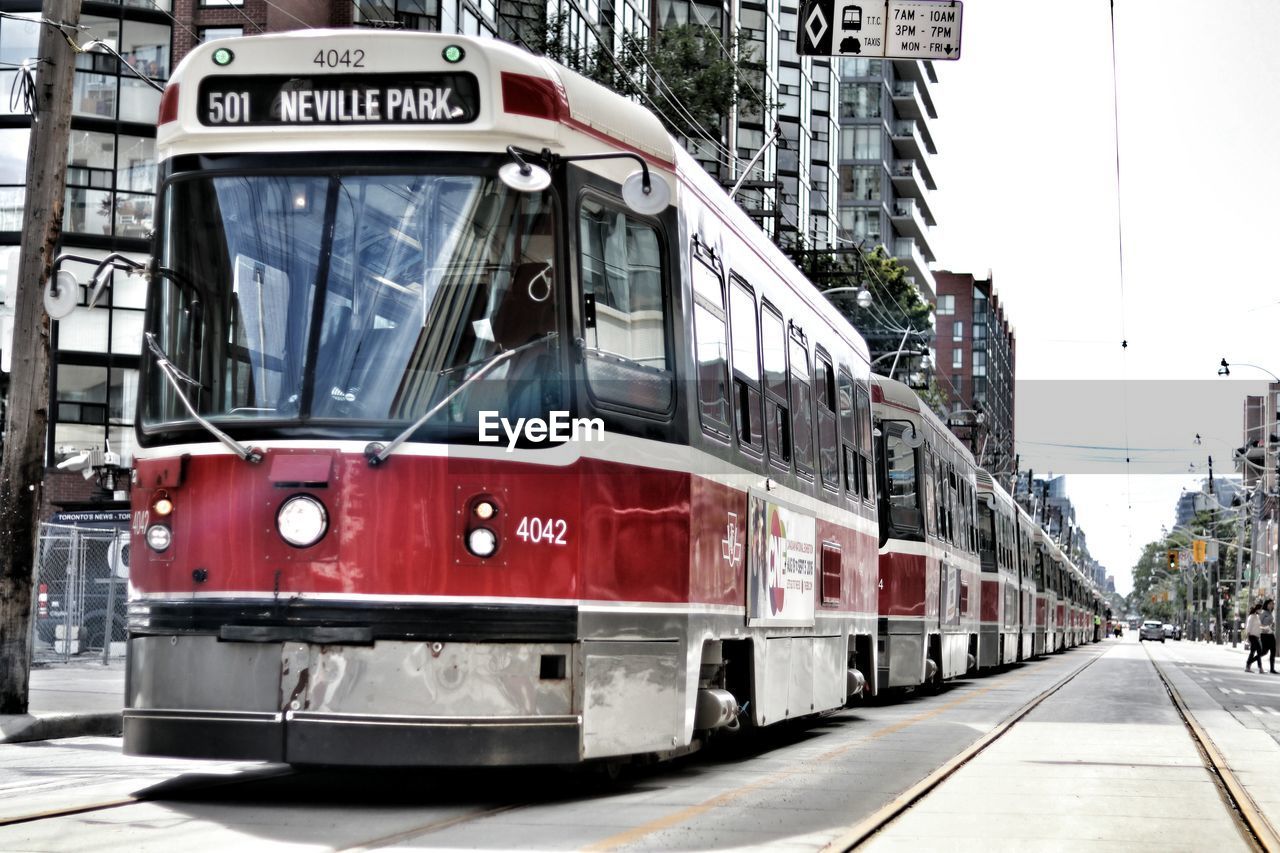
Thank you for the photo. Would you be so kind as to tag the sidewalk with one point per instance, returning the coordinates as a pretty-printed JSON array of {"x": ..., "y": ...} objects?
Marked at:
[
  {"x": 1102, "y": 762},
  {"x": 69, "y": 700}
]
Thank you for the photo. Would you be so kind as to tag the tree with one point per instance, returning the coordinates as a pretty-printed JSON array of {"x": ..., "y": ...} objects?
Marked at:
[
  {"x": 687, "y": 73},
  {"x": 1151, "y": 572},
  {"x": 897, "y": 305}
]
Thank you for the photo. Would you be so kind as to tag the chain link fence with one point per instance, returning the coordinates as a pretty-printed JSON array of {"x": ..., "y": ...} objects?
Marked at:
[{"x": 81, "y": 593}]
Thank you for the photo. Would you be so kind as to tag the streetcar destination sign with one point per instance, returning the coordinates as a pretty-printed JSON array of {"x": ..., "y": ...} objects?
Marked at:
[
  {"x": 336, "y": 99},
  {"x": 893, "y": 29}
]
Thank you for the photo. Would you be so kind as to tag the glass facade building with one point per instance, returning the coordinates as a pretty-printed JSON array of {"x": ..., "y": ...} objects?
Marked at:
[
  {"x": 108, "y": 207},
  {"x": 885, "y": 145},
  {"x": 796, "y": 191}
]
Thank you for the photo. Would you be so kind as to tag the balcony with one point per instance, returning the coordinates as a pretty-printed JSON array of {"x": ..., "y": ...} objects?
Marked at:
[
  {"x": 912, "y": 179},
  {"x": 908, "y": 221},
  {"x": 912, "y": 140},
  {"x": 911, "y": 100},
  {"x": 908, "y": 251},
  {"x": 919, "y": 71}
]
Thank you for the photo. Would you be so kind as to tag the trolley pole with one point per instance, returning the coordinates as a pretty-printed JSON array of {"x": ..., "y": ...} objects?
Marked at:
[{"x": 23, "y": 461}]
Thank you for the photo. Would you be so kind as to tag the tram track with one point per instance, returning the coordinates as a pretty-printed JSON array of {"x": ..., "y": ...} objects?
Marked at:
[
  {"x": 1252, "y": 821},
  {"x": 1249, "y": 819},
  {"x": 170, "y": 788},
  {"x": 847, "y": 840},
  {"x": 891, "y": 811}
]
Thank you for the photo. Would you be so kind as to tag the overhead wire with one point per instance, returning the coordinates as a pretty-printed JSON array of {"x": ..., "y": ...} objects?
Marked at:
[
  {"x": 669, "y": 95},
  {"x": 1124, "y": 336},
  {"x": 194, "y": 35},
  {"x": 673, "y": 101},
  {"x": 244, "y": 15}
]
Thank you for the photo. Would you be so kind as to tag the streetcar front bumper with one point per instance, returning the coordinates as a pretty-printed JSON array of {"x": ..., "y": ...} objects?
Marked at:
[
  {"x": 383, "y": 704},
  {"x": 300, "y": 737}
]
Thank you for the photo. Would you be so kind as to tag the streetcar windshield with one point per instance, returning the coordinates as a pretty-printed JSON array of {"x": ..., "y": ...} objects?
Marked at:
[{"x": 355, "y": 297}]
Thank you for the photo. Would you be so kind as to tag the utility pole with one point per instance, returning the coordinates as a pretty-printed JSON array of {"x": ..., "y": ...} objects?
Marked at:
[
  {"x": 1235, "y": 599},
  {"x": 22, "y": 464}
]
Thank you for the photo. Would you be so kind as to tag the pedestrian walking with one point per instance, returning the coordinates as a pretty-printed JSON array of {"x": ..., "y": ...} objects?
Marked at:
[
  {"x": 1268, "y": 619},
  {"x": 1253, "y": 630}
]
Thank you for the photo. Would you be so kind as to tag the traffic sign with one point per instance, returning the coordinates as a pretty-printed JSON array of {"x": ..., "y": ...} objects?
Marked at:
[{"x": 894, "y": 29}]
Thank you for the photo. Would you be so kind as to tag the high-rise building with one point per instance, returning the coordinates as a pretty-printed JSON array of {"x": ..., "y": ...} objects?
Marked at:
[
  {"x": 792, "y": 190},
  {"x": 1225, "y": 493},
  {"x": 108, "y": 208},
  {"x": 975, "y": 360},
  {"x": 885, "y": 145}
]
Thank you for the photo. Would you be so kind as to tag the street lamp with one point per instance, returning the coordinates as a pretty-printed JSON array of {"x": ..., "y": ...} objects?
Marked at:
[
  {"x": 864, "y": 297},
  {"x": 1224, "y": 369},
  {"x": 864, "y": 300}
]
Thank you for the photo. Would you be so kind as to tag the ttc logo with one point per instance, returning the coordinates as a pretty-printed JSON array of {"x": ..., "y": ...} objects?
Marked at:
[{"x": 730, "y": 547}]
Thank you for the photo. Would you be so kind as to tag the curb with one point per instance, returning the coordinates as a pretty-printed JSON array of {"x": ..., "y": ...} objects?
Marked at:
[{"x": 24, "y": 728}]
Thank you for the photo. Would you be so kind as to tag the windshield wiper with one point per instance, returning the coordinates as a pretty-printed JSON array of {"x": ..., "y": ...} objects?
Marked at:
[
  {"x": 176, "y": 377},
  {"x": 377, "y": 453}
]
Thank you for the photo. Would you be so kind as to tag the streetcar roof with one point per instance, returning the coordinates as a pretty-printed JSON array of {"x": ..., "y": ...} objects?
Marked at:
[
  {"x": 523, "y": 99},
  {"x": 898, "y": 395}
]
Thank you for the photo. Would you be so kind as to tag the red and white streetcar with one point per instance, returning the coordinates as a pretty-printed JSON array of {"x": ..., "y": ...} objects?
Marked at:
[
  {"x": 479, "y": 426},
  {"x": 999, "y": 633},
  {"x": 929, "y": 586}
]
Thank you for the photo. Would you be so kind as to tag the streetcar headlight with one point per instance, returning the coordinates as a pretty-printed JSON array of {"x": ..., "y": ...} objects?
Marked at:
[
  {"x": 482, "y": 542},
  {"x": 159, "y": 537},
  {"x": 484, "y": 510},
  {"x": 302, "y": 521},
  {"x": 162, "y": 506}
]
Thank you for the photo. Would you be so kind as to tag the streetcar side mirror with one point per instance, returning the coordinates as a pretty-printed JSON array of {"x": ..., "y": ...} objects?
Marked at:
[{"x": 521, "y": 175}]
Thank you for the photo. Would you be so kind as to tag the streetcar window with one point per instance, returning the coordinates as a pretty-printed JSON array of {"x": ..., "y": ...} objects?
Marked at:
[
  {"x": 987, "y": 541},
  {"x": 624, "y": 312},
  {"x": 801, "y": 407},
  {"x": 929, "y": 470},
  {"x": 850, "y": 437},
  {"x": 777, "y": 412},
  {"x": 824, "y": 383},
  {"x": 831, "y": 574},
  {"x": 863, "y": 415},
  {"x": 746, "y": 366},
  {"x": 900, "y": 476},
  {"x": 356, "y": 297},
  {"x": 711, "y": 344}
]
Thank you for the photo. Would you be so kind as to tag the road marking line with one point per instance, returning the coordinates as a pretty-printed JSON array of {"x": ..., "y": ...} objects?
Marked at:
[{"x": 1252, "y": 710}]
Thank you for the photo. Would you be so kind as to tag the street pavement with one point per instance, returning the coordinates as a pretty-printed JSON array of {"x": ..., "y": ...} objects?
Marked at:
[
  {"x": 1104, "y": 761},
  {"x": 1240, "y": 711},
  {"x": 82, "y": 697}
]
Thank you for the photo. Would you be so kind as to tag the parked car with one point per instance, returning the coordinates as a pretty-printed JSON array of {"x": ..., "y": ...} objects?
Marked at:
[
  {"x": 1172, "y": 632},
  {"x": 1151, "y": 630}
]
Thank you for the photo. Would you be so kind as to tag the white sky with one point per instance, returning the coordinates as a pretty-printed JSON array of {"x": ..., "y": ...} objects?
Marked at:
[{"x": 1026, "y": 171}]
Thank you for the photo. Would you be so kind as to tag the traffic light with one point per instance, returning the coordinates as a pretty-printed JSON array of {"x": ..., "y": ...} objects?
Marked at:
[
  {"x": 1172, "y": 556},
  {"x": 1197, "y": 550}
]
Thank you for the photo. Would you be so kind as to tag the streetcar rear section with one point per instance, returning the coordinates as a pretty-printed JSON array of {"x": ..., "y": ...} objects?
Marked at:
[
  {"x": 999, "y": 636},
  {"x": 366, "y": 527},
  {"x": 929, "y": 602}
]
